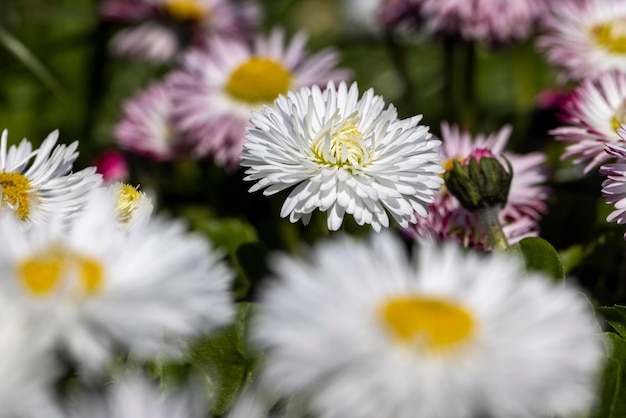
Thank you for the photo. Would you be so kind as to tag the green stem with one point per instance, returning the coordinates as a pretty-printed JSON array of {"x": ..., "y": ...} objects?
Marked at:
[
  {"x": 468, "y": 107},
  {"x": 489, "y": 219},
  {"x": 448, "y": 79},
  {"x": 397, "y": 54}
]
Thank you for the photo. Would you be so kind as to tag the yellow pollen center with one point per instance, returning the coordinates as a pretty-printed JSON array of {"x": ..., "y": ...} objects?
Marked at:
[
  {"x": 126, "y": 202},
  {"x": 341, "y": 146},
  {"x": 435, "y": 324},
  {"x": 42, "y": 274},
  {"x": 15, "y": 193},
  {"x": 185, "y": 10},
  {"x": 619, "y": 116},
  {"x": 449, "y": 163},
  {"x": 611, "y": 35},
  {"x": 258, "y": 80}
]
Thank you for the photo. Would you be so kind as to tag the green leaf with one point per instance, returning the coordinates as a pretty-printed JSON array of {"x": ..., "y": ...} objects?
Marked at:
[
  {"x": 222, "y": 357},
  {"x": 539, "y": 255},
  {"x": 613, "y": 391},
  {"x": 30, "y": 61},
  {"x": 616, "y": 317},
  {"x": 572, "y": 257}
]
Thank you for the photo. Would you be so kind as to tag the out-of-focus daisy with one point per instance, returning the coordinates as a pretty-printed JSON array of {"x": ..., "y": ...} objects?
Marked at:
[
  {"x": 585, "y": 37},
  {"x": 219, "y": 87},
  {"x": 113, "y": 166},
  {"x": 359, "y": 328},
  {"x": 37, "y": 183},
  {"x": 343, "y": 154},
  {"x": 99, "y": 287},
  {"x": 166, "y": 27},
  {"x": 491, "y": 21},
  {"x": 593, "y": 113},
  {"x": 26, "y": 364},
  {"x": 146, "y": 127},
  {"x": 526, "y": 202},
  {"x": 132, "y": 206},
  {"x": 135, "y": 397},
  {"x": 614, "y": 187}
]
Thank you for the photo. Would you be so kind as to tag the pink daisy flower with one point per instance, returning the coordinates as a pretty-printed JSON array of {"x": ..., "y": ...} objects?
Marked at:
[
  {"x": 585, "y": 37},
  {"x": 218, "y": 87},
  {"x": 146, "y": 126},
  {"x": 165, "y": 27},
  {"x": 614, "y": 187},
  {"x": 491, "y": 21},
  {"x": 526, "y": 203},
  {"x": 593, "y": 112}
]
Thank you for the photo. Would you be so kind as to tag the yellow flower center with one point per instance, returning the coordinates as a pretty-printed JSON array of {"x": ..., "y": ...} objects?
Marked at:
[
  {"x": 449, "y": 163},
  {"x": 185, "y": 10},
  {"x": 619, "y": 116},
  {"x": 259, "y": 80},
  {"x": 341, "y": 145},
  {"x": 435, "y": 324},
  {"x": 43, "y": 273},
  {"x": 611, "y": 35},
  {"x": 127, "y": 201},
  {"x": 15, "y": 193}
]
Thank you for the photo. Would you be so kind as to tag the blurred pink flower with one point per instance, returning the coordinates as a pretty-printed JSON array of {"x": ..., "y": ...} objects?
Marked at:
[
  {"x": 146, "y": 125},
  {"x": 585, "y": 37},
  {"x": 490, "y": 21},
  {"x": 113, "y": 167},
  {"x": 219, "y": 87},
  {"x": 162, "y": 28},
  {"x": 592, "y": 113},
  {"x": 526, "y": 203}
]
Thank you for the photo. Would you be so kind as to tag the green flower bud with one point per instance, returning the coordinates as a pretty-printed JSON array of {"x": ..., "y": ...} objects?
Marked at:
[{"x": 480, "y": 183}]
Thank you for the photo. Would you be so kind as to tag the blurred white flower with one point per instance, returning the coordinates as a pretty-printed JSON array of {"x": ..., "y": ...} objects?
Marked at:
[
  {"x": 37, "y": 183},
  {"x": 26, "y": 365},
  {"x": 147, "y": 289},
  {"x": 359, "y": 328},
  {"x": 343, "y": 154},
  {"x": 135, "y": 397}
]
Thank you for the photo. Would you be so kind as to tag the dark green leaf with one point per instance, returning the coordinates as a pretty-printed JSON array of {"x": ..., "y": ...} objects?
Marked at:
[
  {"x": 616, "y": 317},
  {"x": 540, "y": 256}
]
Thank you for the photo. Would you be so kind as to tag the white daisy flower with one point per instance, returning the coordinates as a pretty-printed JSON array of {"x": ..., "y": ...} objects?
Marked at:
[
  {"x": 220, "y": 85},
  {"x": 614, "y": 186},
  {"x": 343, "y": 154},
  {"x": 37, "y": 183},
  {"x": 359, "y": 328},
  {"x": 593, "y": 113},
  {"x": 585, "y": 38},
  {"x": 147, "y": 289},
  {"x": 133, "y": 207}
]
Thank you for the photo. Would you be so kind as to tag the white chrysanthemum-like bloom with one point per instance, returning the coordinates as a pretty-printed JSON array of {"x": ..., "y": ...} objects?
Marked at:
[
  {"x": 343, "y": 154},
  {"x": 148, "y": 289},
  {"x": 614, "y": 187},
  {"x": 593, "y": 113},
  {"x": 585, "y": 37},
  {"x": 135, "y": 397},
  {"x": 359, "y": 328},
  {"x": 132, "y": 206},
  {"x": 37, "y": 183},
  {"x": 26, "y": 365}
]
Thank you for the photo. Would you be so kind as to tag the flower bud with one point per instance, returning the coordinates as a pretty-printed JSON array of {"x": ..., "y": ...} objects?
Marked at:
[{"x": 480, "y": 182}]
